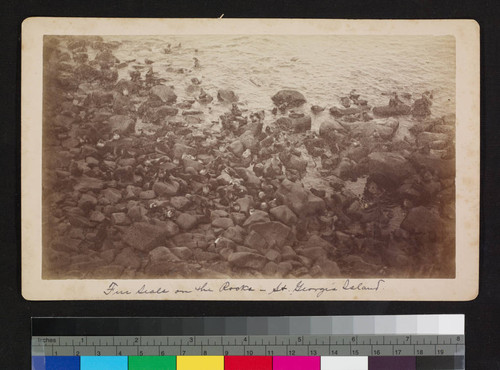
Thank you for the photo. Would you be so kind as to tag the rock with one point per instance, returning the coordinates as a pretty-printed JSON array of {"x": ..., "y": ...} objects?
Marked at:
[
  {"x": 245, "y": 204},
  {"x": 54, "y": 259},
  {"x": 96, "y": 216},
  {"x": 191, "y": 240},
  {"x": 235, "y": 233},
  {"x": 291, "y": 98},
  {"x": 166, "y": 188},
  {"x": 120, "y": 219},
  {"x": 390, "y": 111},
  {"x": 222, "y": 223},
  {"x": 87, "y": 202},
  {"x": 300, "y": 201},
  {"x": 106, "y": 56},
  {"x": 147, "y": 194},
  {"x": 128, "y": 258},
  {"x": 179, "y": 203},
  {"x": 255, "y": 241},
  {"x": 145, "y": 236},
  {"x": 197, "y": 166},
  {"x": 160, "y": 113},
  {"x": 273, "y": 255},
  {"x": 248, "y": 140},
  {"x": 186, "y": 221},
  {"x": 427, "y": 138},
  {"x": 183, "y": 253},
  {"x": 247, "y": 260},
  {"x": 164, "y": 93},
  {"x": 421, "y": 220},
  {"x": 270, "y": 269},
  {"x": 421, "y": 107},
  {"x": 227, "y": 96},
  {"x": 317, "y": 241},
  {"x": 313, "y": 253},
  {"x": 180, "y": 149},
  {"x": 237, "y": 148},
  {"x": 284, "y": 268},
  {"x": 329, "y": 127},
  {"x": 288, "y": 253},
  {"x": 137, "y": 213},
  {"x": 257, "y": 216},
  {"x": 121, "y": 124},
  {"x": 301, "y": 124},
  {"x": 275, "y": 233},
  {"x": 162, "y": 254},
  {"x": 284, "y": 214},
  {"x": 392, "y": 165},
  {"x": 341, "y": 112},
  {"x": 445, "y": 168},
  {"x": 384, "y": 129},
  {"x": 112, "y": 195},
  {"x": 70, "y": 143},
  {"x": 328, "y": 268}
]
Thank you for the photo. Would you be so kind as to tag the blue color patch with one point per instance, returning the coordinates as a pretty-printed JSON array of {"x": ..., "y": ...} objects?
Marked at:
[
  {"x": 55, "y": 363},
  {"x": 104, "y": 363}
]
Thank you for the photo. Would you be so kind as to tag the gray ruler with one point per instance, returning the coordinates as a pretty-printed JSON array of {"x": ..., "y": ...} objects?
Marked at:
[{"x": 250, "y": 345}]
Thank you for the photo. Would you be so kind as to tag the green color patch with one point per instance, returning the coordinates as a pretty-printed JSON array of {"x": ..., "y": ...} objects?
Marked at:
[{"x": 152, "y": 363}]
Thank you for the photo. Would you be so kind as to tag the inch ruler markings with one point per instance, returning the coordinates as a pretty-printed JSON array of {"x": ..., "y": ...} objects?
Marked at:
[{"x": 251, "y": 345}]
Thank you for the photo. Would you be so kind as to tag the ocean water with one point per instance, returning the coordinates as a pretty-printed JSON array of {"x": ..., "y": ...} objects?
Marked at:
[{"x": 323, "y": 68}]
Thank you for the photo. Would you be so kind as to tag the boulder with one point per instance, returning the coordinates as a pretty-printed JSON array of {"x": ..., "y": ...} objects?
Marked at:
[
  {"x": 145, "y": 236},
  {"x": 119, "y": 219},
  {"x": 385, "y": 129},
  {"x": 187, "y": 221},
  {"x": 87, "y": 202},
  {"x": 421, "y": 220},
  {"x": 291, "y": 98},
  {"x": 166, "y": 188},
  {"x": 284, "y": 214},
  {"x": 341, "y": 112},
  {"x": 421, "y": 107},
  {"x": 313, "y": 253},
  {"x": 164, "y": 93},
  {"x": 112, "y": 195},
  {"x": 248, "y": 140},
  {"x": 191, "y": 240},
  {"x": 128, "y": 258},
  {"x": 121, "y": 124},
  {"x": 255, "y": 241},
  {"x": 301, "y": 124},
  {"x": 180, "y": 149},
  {"x": 275, "y": 233},
  {"x": 237, "y": 148},
  {"x": 257, "y": 216},
  {"x": 317, "y": 241},
  {"x": 247, "y": 260},
  {"x": 299, "y": 200},
  {"x": 329, "y": 127},
  {"x": 390, "y": 111},
  {"x": 227, "y": 96},
  {"x": 393, "y": 165},
  {"x": 183, "y": 253},
  {"x": 162, "y": 254},
  {"x": 222, "y": 223},
  {"x": 427, "y": 138},
  {"x": 179, "y": 203},
  {"x": 445, "y": 168},
  {"x": 235, "y": 233}
]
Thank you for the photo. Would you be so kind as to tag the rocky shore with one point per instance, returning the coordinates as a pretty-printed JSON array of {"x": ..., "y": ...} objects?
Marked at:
[{"x": 139, "y": 183}]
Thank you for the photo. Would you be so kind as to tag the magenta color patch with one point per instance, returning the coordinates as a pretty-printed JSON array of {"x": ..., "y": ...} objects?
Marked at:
[{"x": 296, "y": 363}]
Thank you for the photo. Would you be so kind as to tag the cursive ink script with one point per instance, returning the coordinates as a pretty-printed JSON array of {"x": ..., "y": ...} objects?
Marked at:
[
  {"x": 227, "y": 287},
  {"x": 302, "y": 287},
  {"x": 362, "y": 286},
  {"x": 113, "y": 290}
]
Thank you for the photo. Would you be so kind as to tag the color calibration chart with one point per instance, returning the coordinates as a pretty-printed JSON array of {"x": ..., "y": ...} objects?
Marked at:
[{"x": 409, "y": 342}]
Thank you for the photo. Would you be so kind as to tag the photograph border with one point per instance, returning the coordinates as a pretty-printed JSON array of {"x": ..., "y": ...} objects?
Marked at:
[{"x": 463, "y": 287}]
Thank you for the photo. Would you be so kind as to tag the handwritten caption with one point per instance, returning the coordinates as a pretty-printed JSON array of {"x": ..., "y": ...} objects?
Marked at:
[{"x": 280, "y": 289}]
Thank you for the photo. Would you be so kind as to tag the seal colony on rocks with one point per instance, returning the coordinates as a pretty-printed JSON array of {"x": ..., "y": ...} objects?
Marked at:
[{"x": 140, "y": 182}]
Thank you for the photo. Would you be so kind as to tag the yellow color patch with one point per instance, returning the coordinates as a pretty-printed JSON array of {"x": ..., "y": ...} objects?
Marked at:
[{"x": 200, "y": 362}]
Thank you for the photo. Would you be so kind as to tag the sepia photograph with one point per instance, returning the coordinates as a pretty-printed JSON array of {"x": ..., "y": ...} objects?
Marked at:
[{"x": 298, "y": 161}]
